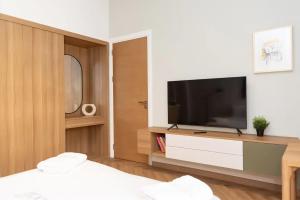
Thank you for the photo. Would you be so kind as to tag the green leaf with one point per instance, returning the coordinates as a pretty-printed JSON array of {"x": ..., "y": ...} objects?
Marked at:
[{"x": 260, "y": 123}]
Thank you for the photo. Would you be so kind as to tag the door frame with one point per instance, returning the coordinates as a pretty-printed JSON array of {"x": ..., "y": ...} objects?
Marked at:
[{"x": 148, "y": 34}]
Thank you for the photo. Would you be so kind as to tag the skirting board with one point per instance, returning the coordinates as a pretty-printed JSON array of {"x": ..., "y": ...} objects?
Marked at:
[{"x": 228, "y": 175}]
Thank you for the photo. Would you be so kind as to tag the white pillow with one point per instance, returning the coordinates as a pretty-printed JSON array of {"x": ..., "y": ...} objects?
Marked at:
[{"x": 183, "y": 188}]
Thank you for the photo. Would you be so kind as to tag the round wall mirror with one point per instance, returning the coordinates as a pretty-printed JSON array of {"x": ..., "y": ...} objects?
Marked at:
[{"x": 73, "y": 84}]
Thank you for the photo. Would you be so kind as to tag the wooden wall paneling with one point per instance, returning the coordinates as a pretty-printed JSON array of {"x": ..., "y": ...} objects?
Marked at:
[
  {"x": 73, "y": 140},
  {"x": 28, "y": 99},
  {"x": 104, "y": 99},
  {"x": 59, "y": 124},
  {"x": 84, "y": 140},
  {"x": 68, "y": 141},
  {"x": 95, "y": 142},
  {"x": 57, "y": 88},
  {"x": 48, "y": 98},
  {"x": 18, "y": 95},
  {"x": 18, "y": 58},
  {"x": 96, "y": 133},
  {"x": 3, "y": 99},
  {"x": 16, "y": 81},
  {"x": 10, "y": 96},
  {"x": 38, "y": 64},
  {"x": 55, "y": 94},
  {"x": 95, "y": 79},
  {"x": 77, "y": 140},
  {"x": 100, "y": 92}
]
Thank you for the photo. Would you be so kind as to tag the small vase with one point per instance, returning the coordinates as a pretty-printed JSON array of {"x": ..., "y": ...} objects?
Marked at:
[{"x": 260, "y": 132}]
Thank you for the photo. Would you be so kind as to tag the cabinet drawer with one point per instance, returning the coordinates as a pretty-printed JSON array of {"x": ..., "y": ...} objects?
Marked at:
[
  {"x": 205, "y": 157},
  {"x": 205, "y": 144}
]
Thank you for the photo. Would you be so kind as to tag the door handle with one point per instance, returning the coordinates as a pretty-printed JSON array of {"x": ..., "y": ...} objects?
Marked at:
[{"x": 144, "y": 103}]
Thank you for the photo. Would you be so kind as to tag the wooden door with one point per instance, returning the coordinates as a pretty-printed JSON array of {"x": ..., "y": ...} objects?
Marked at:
[
  {"x": 130, "y": 96},
  {"x": 31, "y": 96}
]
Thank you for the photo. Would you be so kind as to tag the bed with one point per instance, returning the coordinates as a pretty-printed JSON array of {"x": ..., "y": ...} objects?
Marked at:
[{"x": 89, "y": 181}]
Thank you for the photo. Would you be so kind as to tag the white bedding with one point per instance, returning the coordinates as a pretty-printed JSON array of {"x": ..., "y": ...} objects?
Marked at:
[{"x": 90, "y": 181}]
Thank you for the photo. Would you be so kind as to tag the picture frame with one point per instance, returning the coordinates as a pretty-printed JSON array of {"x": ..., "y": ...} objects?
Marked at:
[{"x": 273, "y": 50}]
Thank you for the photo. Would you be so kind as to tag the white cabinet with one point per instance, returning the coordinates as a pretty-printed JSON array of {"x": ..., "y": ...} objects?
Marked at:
[{"x": 209, "y": 151}]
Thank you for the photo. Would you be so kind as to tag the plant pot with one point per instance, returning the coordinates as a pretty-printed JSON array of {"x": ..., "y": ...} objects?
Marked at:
[{"x": 260, "y": 132}]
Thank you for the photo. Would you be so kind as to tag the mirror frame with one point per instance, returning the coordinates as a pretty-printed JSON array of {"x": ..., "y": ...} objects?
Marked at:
[{"x": 81, "y": 84}]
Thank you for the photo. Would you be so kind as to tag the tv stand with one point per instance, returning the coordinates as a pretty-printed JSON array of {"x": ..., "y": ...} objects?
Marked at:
[
  {"x": 239, "y": 132},
  {"x": 174, "y": 125},
  {"x": 220, "y": 153}
]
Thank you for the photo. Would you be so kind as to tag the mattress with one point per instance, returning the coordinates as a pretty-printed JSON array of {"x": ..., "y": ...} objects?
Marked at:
[{"x": 90, "y": 181}]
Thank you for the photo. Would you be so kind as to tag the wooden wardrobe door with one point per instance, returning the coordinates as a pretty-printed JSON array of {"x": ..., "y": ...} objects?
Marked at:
[
  {"x": 48, "y": 94},
  {"x": 16, "y": 128},
  {"x": 3, "y": 100},
  {"x": 31, "y": 96}
]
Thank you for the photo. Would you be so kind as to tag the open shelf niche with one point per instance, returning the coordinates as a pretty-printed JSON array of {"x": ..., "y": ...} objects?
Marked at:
[
  {"x": 156, "y": 149},
  {"x": 90, "y": 135}
]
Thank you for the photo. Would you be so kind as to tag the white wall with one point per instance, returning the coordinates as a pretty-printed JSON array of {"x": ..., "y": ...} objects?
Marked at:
[
  {"x": 88, "y": 18},
  {"x": 196, "y": 39}
]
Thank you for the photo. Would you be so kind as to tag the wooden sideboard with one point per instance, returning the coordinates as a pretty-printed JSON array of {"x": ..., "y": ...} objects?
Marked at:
[
  {"x": 245, "y": 154},
  {"x": 147, "y": 142}
]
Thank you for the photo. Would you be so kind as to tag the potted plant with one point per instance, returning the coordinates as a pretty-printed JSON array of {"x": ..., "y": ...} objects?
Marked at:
[{"x": 260, "y": 124}]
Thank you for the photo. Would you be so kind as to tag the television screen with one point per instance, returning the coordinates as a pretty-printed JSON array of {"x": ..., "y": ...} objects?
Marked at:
[{"x": 219, "y": 102}]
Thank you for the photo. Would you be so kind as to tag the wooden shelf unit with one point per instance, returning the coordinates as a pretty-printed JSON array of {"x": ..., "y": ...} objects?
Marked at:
[
  {"x": 77, "y": 122},
  {"x": 147, "y": 143},
  {"x": 90, "y": 135},
  {"x": 251, "y": 155}
]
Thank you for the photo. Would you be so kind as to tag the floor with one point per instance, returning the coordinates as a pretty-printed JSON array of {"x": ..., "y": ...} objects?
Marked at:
[{"x": 225, "y": 191}]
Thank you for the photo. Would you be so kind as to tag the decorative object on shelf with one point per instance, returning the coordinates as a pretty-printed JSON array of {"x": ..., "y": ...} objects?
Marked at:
[
  {"x": 89, "y": 109},
  {"x": 161, "y": 141},
  {"x": 260, "y": 124},
  {"x": 273, "y": 50}
]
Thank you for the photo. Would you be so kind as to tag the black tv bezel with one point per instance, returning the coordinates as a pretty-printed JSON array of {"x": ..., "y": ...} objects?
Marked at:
[{"x": 201, "y": 125}]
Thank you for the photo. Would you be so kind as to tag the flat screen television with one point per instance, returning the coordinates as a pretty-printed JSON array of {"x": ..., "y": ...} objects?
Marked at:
[{"x": 219, "y": 102}]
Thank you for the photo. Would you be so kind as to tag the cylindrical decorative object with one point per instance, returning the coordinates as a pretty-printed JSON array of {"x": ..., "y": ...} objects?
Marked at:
[{"x": 88, "y": 109}]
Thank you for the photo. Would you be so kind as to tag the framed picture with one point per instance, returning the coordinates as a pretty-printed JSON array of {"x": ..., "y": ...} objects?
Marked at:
[{"x": 273, "y": 50}]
